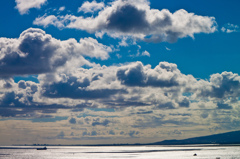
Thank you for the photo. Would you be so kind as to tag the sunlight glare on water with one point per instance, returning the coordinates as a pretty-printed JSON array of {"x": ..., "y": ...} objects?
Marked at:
[{"x": 122, "y": 152}]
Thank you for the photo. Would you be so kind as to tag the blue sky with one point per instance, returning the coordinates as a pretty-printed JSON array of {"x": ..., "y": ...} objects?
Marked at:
[{"x": 120, "y": 71}]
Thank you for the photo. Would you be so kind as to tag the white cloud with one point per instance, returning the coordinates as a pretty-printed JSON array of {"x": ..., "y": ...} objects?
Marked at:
[
  {"x": 23, "y": 6},
  {"x": 36, "y": 52},
  {"x": 50, "y": 20},
  {"x": 145, "y": 53},
  {"x": 163, "y": 75},
  {"x": 113, "y": 86},
  {"x": 126, "y": 85},
  {"x": 229, "y": 28},
  {"x": 168, "y": 49},
  {"x": 135, "y": 19},
  {"x": 62, "y": 8},
  {"x": 222, "y": 87},
  {"x": 144, "y": 99},
  {"x": 90, "y": 7}
]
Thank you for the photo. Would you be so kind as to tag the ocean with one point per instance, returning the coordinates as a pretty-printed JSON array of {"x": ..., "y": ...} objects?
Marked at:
[{"x": 122, "y": 152}]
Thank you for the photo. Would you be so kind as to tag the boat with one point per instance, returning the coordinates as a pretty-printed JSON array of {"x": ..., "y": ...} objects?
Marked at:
[{"x": 44, "y": 148}]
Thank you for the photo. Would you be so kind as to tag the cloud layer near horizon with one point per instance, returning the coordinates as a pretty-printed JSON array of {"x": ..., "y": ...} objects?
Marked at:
[{"x": 130, "y": 106}]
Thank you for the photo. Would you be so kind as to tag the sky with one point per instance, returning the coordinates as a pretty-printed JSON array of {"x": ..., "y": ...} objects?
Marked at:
[{"x": 119, "y": 71}]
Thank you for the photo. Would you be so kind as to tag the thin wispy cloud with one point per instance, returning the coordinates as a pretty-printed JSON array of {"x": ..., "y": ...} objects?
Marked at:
[
  {"x": 168, "y": 49},
  {"x": 90, "y": 7},
  {"x": 229, "y": 28}
]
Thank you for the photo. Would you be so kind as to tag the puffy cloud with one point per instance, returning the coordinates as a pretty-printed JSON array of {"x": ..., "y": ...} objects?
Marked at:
[
  {"x": 161, "y": 87},
  {"x": 128, "y": 85},
  {"x": 19, "y": 94},
  {"x": 163, "y": 75},
  {"x": 90, "y": 7},
  {"x": 184, "y": 102},
  {"x": 221, "y": 86},
  {"x": 6, "y": 84},
  {"x": 90, "y": 47},
  {"x": 79, "y": 86},
  {"x": 139, "y": 110},
  {"x": 36, "y": 52},
  {"x": 24, "y": 99},
  {"x": 135, "y": 19},
  {"x": 23, "y": 6}
]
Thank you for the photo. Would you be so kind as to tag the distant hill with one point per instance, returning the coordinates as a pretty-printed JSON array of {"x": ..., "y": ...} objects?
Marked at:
[{"x": 224, "y": 138}]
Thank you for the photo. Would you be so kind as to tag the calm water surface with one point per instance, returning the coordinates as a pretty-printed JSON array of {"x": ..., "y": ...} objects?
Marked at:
[{"x": 122, "y": 152}]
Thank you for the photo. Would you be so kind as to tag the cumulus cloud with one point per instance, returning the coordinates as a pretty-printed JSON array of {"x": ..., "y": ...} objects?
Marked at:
[
  {"x": 78, "y": 87},
  {"x": 139, "y": 111},
  {"x": 135, "y": 20},
  {"x": 184, "y": 102},
  {"x": 90, "y": 7},
  {"x": 24, "y": 99},
  {"x": 127, "y": 85},
  {"x": 221, "y": 86},
  {"x": 163, "y": 75},
  {"x": 23, "y": 6},
  {"x": 36, "y": 52},
  {"x": 17, "y": 94},
  {"x": 133, "y": 84}
]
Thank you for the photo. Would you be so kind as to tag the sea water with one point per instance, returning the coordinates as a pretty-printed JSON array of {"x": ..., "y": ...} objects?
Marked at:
[{"x": 122, "y": 152}]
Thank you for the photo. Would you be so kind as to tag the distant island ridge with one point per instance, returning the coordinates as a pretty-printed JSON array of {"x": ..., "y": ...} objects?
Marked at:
[
  {"x": 229, "y": 138},
  {"x": 223, "y": 138}
]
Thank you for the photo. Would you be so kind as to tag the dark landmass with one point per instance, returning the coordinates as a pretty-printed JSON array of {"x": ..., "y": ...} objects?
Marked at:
[{"x": 226, "y": 139}]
